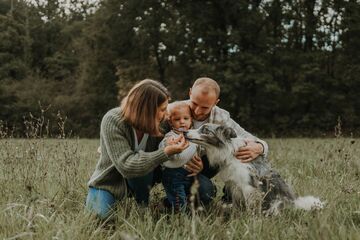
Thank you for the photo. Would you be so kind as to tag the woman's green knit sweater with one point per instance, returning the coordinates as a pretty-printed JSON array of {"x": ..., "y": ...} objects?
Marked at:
[{"x": 118, "y": 160}]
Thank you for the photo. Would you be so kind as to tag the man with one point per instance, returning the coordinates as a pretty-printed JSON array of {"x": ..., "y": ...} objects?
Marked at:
[{"x": 204, "y": 96}]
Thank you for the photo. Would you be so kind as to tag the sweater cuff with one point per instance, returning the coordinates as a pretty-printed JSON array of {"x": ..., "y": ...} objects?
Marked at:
[
  {"x": 162, "y": 156},
  {"x": 265, "y": 150}
]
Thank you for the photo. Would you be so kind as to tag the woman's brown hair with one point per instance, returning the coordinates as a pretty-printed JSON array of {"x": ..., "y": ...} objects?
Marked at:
[{"x": 140, "y": 106}]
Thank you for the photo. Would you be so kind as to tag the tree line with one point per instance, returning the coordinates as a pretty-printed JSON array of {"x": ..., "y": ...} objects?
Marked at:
[{"x": 285, "y": 67}]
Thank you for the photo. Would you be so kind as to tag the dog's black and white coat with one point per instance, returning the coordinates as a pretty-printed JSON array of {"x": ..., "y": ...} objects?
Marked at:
[{"x": 254, "y": 184}]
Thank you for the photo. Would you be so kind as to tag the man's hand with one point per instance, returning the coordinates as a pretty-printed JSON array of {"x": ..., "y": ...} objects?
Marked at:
[
  {"x": 251, "y": 151},
  {"x": 195, "y": 166}
]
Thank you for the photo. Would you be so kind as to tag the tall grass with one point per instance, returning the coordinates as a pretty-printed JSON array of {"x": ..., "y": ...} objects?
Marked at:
[{"x": 43, "y": 190}]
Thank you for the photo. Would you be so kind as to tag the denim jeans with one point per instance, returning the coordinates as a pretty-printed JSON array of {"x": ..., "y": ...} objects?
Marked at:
[
  {"x": 140, "y": 188},
  {"x": 177, "y": 187},
  {"x": 101, "y": 202}
]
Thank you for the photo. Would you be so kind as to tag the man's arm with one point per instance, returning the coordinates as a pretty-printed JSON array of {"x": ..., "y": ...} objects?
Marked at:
[
  {"x": 254, "y": 145},
  {"x": 241, "y": 132}
]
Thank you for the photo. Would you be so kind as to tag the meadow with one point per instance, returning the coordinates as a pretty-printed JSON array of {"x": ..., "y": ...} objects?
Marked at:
[{"x": 43, "y": 190}]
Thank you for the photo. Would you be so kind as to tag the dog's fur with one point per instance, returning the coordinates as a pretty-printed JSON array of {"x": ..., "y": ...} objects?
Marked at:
[{"x": 254, "y": 185}]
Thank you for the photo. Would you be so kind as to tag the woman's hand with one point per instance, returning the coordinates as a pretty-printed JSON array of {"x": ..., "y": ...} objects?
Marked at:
[
  {"x": 195, "y": 166},
  {"x": 176, "y": 145},
  {"x": 172, "y": 140}
]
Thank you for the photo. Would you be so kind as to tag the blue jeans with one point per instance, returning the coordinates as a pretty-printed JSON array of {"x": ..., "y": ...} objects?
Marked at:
[
  {"x": 177, "y": 187},
  {"x": 102, "y": 202}
]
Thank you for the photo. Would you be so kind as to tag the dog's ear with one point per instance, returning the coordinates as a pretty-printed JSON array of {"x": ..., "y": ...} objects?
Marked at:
[{"x": 229, "y": 133}]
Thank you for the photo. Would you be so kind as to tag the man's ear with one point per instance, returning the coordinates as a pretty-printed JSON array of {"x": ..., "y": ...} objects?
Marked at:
[
  {"x": 217, "y": 101},
  {"x": 229, "y": 133}
]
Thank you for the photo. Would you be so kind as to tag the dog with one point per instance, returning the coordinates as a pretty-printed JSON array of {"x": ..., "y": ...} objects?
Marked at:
[{"x": 254, "y": 185}]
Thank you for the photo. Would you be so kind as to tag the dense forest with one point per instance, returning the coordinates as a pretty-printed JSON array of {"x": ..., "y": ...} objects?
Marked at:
[{"x": 285, "y": 67}]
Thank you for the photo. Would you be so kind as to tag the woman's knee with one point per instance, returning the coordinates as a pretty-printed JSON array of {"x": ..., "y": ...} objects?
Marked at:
[{"x": 100, "y": 202}]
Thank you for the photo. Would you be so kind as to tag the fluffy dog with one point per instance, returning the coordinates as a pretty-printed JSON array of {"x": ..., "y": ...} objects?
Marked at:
[{"x": 254, "y": 185}]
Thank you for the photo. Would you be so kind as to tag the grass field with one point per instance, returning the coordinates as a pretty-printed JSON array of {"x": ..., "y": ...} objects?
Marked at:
[{"x": 43, "y": 189}]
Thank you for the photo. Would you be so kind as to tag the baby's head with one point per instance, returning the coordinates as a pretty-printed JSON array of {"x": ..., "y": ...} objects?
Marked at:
[{"x": 179, "y": 115}]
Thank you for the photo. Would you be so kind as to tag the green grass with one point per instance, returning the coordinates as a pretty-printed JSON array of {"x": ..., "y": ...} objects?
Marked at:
[{"x": 43, "y": 190}]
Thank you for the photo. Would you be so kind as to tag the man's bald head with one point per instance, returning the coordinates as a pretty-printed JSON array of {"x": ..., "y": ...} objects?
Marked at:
[
  {"x": 204, "y": 95},
  {"x": 207, "y": 85}
]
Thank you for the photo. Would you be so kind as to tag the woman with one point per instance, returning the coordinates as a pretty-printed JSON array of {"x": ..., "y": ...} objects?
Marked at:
[{"x": 129, "y": 139}]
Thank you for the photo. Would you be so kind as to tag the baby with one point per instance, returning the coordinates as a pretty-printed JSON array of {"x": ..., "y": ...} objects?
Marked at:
[{"x": 175, "y": 177}]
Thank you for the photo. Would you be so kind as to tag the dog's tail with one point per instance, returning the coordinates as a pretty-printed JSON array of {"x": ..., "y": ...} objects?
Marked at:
[{"x": 308, "y": 203}]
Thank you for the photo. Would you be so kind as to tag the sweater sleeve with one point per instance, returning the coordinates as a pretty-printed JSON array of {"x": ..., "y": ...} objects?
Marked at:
[
  {"x": 128, "y": 162},
  {"x": 241, "y": 132}
]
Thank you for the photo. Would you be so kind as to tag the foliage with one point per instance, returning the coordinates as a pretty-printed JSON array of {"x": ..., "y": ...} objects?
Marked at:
[{"x": 285, "y": 67}]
